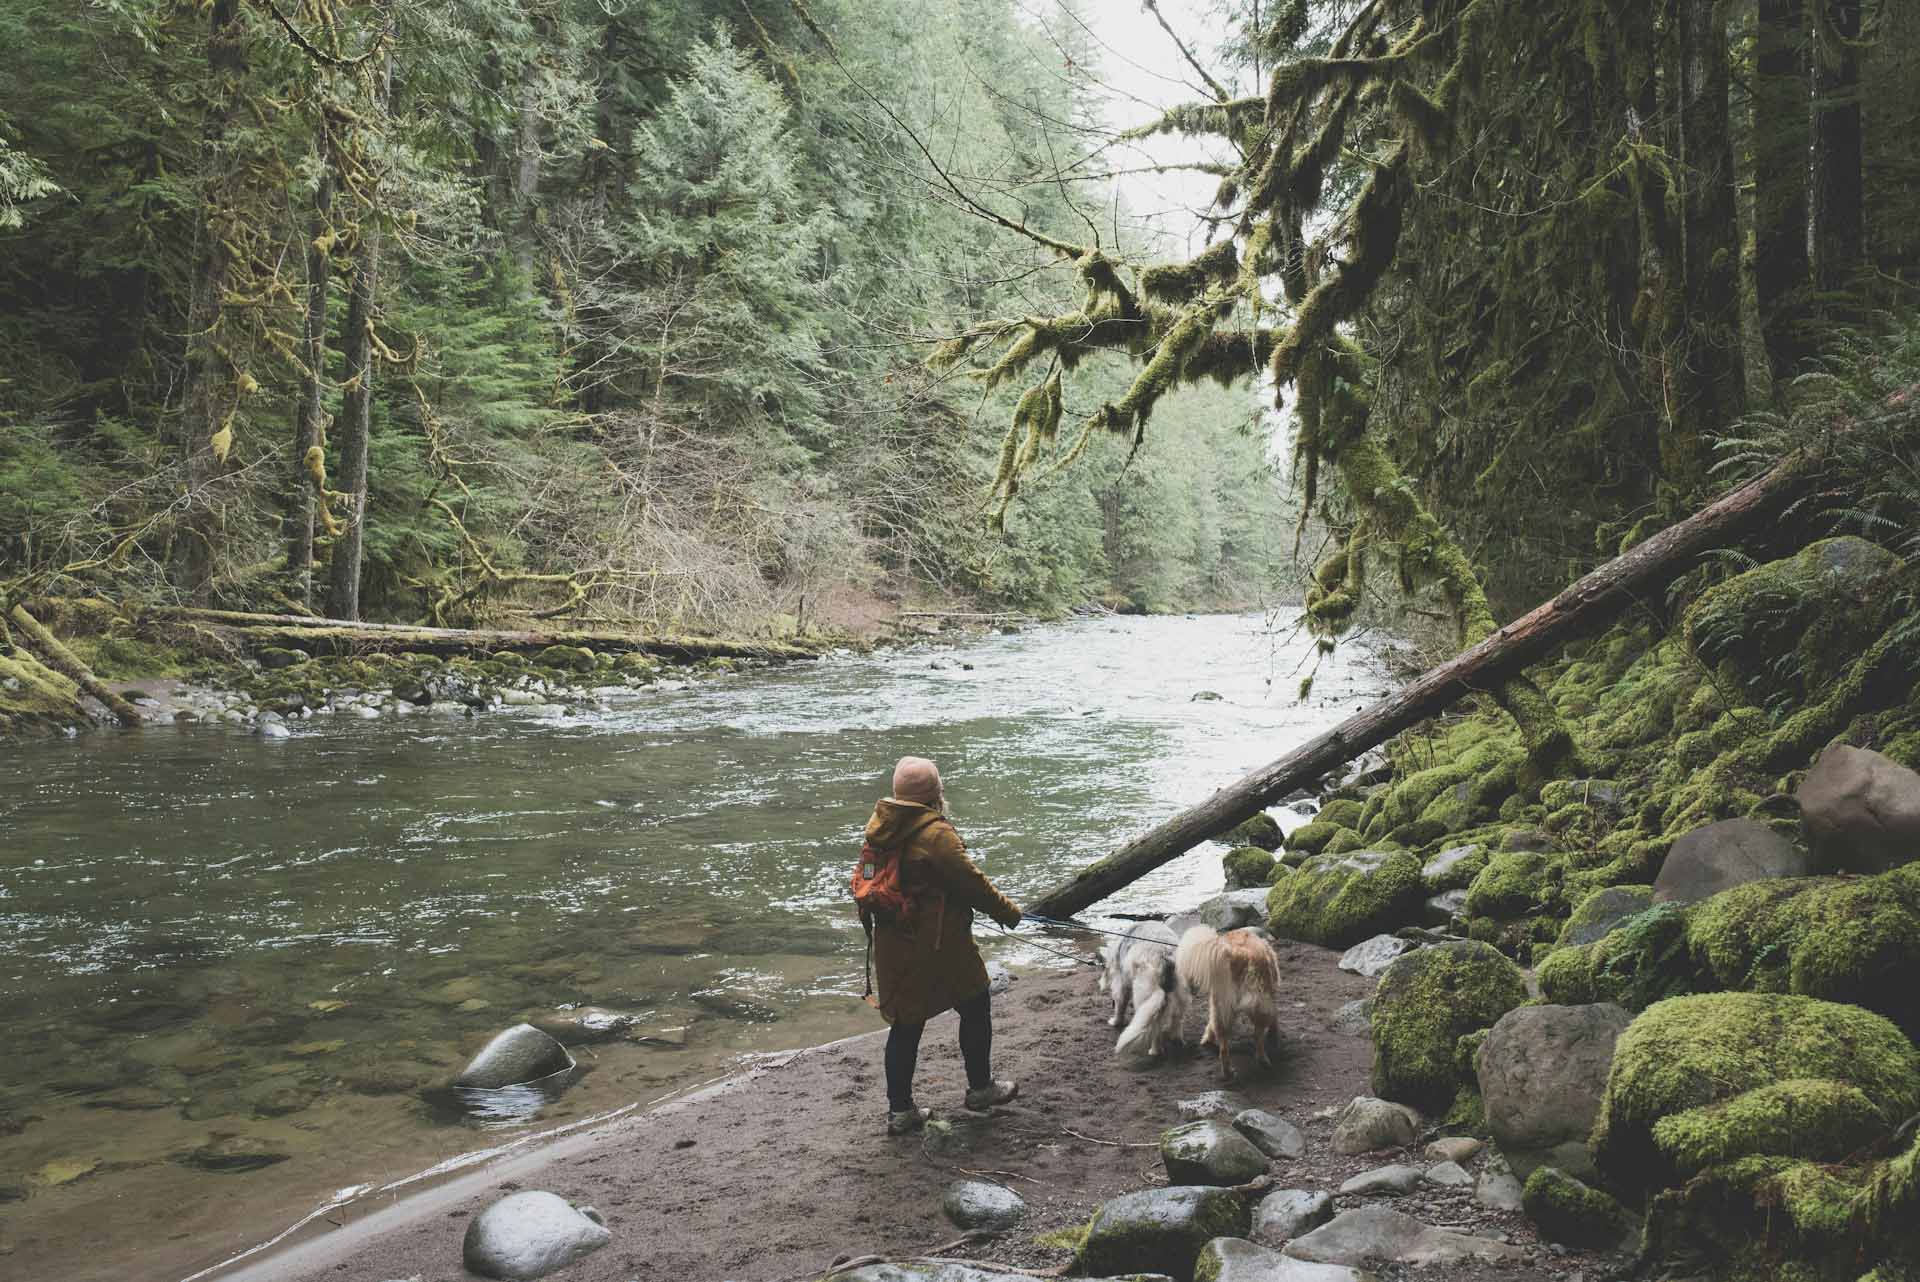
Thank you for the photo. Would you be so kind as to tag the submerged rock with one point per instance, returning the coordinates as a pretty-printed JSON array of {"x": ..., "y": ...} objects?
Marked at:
[
  {"x": 529, "y": 1235},
  {"x": 520, "y": 1054},
  {"x": 975, "y": 1204},
  {"x": 1210, "y": 1152},
  {"x": 1542, "y": 1072},
  {"x": 1161, "y": 1230},
  {"x": 581, "y": 1025},
  {"x": 228, "y": 1154}
]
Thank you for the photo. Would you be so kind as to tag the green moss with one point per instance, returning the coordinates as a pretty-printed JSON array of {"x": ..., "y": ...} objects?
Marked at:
[
  {"x": 1070, "y": 1238},
  {"x": 1161, "y": 1230},
  {"x": 1313, "y": 837},
  {"x": 1261, "y": 831},
  {"x": 1467, "y": 1115},
  {"x": 1643, "y": 960},
  {"x": 123, "y": 658},
  {"x": 1817, "y": 1119},
  {"x": 567, "y": 658},
  {"x": 1599, "y": 913},
  {"x": 1512, "y": 884},
  {"x": 1337, "y": 900},
  {"x": 1345, "y": 842},
  {"x": 1247, "y": 867},
  {"x": 1427, "y": 1001},
  {"x": 1693, "y": 1052},
  {"x": 1568, "y": 1211}
]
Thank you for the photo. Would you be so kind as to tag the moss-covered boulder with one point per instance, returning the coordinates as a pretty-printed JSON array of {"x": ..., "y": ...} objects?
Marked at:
[
  {"x": 274, "y": 657},
  {"x": 1262, "y": 831},
  {"x": 1210, "y": 1152},
  {"x": 1338, "y": 900},
  {"x": 1817, "y": 1119},
  {"x": 1567, "y": 1210},
  {"x": 1599, "y": 913},
  {"x": 1427, "y": 1001},
  {"x": 1454, "y": 868},
  {"x": 1790, "y": 626},
  {"x": 1247, "y": 866},
  {"x": 1850, "y": 940},
  {"x": 1643, "y": 960},
  {"x": 566, "y": 658},
  {"x": 1514, "y": 884},
  {"x": 1693, "y": 1053},
  {"x": 1161, "y": 1230},
  {"x": 1312, "y": 838}
]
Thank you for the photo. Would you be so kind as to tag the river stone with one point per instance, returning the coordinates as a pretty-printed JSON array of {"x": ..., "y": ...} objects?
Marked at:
[
  {"x": 1567, "y": 1210},
  {"x": 1861, "y": 810},
  {"x": 1381, "y": 1235},
  {"x": 582, "y": 1025},
  {"x": 1211, "y": 1104},
  {"x": 272, "y": 730},
  {"x": 1542, "y": 1072},
  {"x": 1597, "y": 914},
  {"x": 1454, "y": 868},
  {"x": 1210, "y": 1152},
  {"x": 1274, "y": 1136},
  {"x": 1455, "y": 1148},
  {"x": 1232, "y": 1259},
  {"x": 1234, "y": 909},
  {"x": 1367, "y": 1125},
  {"x": 975, "y": 1204},
  {"x": 529, "y": 1235},
  {"x": 1389, "y": 1181},
  {"x": 1448, "y": 1175},
  {"x": 227, "y": 1154},
  {"x": 520, "y": 1054},
  {"x": 1498, "y": 1190},
  {"x": 1723, "y": 855},
  {"x": 1441, "y": 909},
  {"x": 1161, "y": 1230},
  {"x": 1287, "y": 1214},
  {"x": 1353, "y": 1019},
  {"x": 1369, "y": 957}
]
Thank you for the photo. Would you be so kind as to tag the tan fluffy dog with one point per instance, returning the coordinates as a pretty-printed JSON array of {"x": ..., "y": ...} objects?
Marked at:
[{"x": 1238, "y": 973}]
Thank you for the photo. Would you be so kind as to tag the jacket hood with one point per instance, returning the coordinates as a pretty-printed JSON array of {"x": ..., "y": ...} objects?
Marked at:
[{"x": 894, "y": 821}]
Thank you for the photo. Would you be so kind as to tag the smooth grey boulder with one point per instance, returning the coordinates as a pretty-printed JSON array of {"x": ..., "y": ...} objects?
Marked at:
[
  {"x": 1498, "y": 1190},
  {"x": 1459, "y": 1149},
  {"x": 1388, "y": 1181},
  {"x": 1371, "y": 956},
  {"x": 1211, "y": 1104},
  {"x": 529, "y": 1235},
  {"x": 1234, "y": 909},
  {"x": 1210, "y": 1152},
  {"x": 1161, "y": 1230},
  {"x": 1232, "y": 1259},
  {"x": 1353, "y": 1019},
  {"x": 1275, "y": 1136},
  {"x": 1454, "y": 868},
  {"x": 1381, "y": 1235},
  {"x": 1441, "y": 909},
  {"x": 1596, "y": 915},
  {"x": 1367, "y": 1125},
  {"x": 975, "y": 1204},
  {"x": 1861, "y": 811},
  {"x": 520, "y": 1054},
  {"x": 1542, "y": 1072},
  {"x": 1723, "y": 855},
  {"x": 1287, "y": 1214},
  {"x": 1448, "y": 1175}
]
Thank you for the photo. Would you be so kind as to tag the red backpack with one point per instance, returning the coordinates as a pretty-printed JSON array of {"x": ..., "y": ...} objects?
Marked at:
[{"x": 880, "y": 893}]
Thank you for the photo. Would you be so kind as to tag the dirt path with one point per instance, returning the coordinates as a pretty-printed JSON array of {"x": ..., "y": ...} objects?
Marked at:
[{"x": 778, "y": 1174}]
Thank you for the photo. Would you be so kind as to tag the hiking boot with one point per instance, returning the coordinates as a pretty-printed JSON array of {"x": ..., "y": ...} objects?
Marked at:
[
  {"x": 982, "y": 1098},
  {"x": 907, "y": 1120}
]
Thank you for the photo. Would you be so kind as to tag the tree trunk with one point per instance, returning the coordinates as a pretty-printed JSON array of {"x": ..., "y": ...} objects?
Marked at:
[
  {"x": 356, "y": 409},
  {"x": 67, "y": 664},
  {"x": 1780, "y": 132},
  {"x": 1710, "y": 248},
  {"x": 310, "y": 417},
  {"x": 1835, "y": 221},
  {"x": 211, "y": 392},
  {"x": 1588, "y": 605}
]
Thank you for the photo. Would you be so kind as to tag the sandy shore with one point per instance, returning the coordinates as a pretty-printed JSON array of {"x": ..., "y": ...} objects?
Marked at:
[{"x": 779, "y": 1171}]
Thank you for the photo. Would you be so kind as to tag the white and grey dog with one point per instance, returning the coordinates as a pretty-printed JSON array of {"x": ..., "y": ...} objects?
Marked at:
[{"x": 1141, "y": 979}]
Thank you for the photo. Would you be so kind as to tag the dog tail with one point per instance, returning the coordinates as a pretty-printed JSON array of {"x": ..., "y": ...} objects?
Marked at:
[{"x": 1138, "y": 1033}]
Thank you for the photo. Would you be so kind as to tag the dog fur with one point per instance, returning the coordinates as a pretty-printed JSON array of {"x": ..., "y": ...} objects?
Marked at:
[
  {"x": 1142, "y": 979},
  {"x": 1239, "y": 974}
]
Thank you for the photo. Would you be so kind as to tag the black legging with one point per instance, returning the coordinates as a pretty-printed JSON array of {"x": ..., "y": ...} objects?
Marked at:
[{"x": 976, "y": 1048}]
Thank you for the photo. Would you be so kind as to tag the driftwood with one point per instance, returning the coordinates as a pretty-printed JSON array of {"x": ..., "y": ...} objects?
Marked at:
[
  {"x": 1586, "y": 606},
  {"x": 68, "y": 665},
  {"x": 342, "y": 637}
]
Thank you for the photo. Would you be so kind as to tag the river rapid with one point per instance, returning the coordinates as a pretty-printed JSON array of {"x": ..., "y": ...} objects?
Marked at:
[{"x": 236, "y": 973}]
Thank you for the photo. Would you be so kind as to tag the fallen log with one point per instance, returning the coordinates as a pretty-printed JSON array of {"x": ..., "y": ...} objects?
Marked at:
[
  {"x": 346, "y": 637},
  {"x": 67, "y": 664},
  {"x": 1586, "y": 606}
]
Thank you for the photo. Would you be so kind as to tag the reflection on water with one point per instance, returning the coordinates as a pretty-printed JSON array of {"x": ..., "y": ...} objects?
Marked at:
[{"x": 215, "y": 943}]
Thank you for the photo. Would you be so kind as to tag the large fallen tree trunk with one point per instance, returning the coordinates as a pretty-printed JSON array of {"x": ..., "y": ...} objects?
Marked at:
[
  {"x": 1587, "y": 606},
  {"x": 67, "y": 663},
  {"x": 342, "y": 636}
]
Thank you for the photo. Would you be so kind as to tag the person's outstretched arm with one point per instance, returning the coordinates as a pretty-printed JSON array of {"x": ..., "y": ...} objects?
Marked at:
[{"x": 963, "y": 879}]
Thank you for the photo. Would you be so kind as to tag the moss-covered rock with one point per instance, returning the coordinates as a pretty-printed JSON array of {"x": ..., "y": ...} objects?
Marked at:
[
  {"x": 1248, "y": 866},
  {"x": 1312, "y": 838},
  {"x": 1513, "y": 884},
  {"x": 1599, "y": 913},
  {"x": 1690, "y": 1053},
  {"x": 274, "y": 657},
  {"x": 1817, "y": 1119},
  {"x": 1566, "y": 1210},
  {"x": 1345, "y": 842},
  {"x": 1454, "y": 868},
  {"x": 1427, "y": 1001},
  {"x": 1261, "y": 831},
  {"x": 1788, "y": 627},
  {"x": 566, "y": 658},
  {"x": 1160, "y": 1230},
  {"x": 1642, "y": 961},
  {"x": 1338, "y": 900}
]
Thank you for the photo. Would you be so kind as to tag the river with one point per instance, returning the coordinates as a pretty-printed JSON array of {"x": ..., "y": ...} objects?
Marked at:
[{"x": 235, "y": 972}]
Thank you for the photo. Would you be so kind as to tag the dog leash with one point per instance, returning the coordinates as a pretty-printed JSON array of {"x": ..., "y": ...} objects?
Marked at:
[
  {"x": 1072, "y": 957},
  {"x": 1096, "y": 930}
]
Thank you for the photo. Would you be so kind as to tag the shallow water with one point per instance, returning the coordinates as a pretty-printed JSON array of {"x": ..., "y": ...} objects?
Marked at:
[{"x": 234, "y": 972}]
